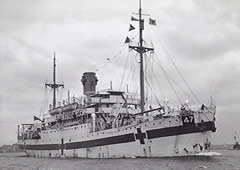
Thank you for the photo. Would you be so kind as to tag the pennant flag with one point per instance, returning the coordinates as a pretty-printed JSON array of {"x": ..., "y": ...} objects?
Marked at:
[
  {"x": 127, "y": 40},
  {"x": 134, "y": 19},
  {"x": 152, "y": 21},
  {"x": 36, "y": 118},
  {"x": 131, "y": 27}
]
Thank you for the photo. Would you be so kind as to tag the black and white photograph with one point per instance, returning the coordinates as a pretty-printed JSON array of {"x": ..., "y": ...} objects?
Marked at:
[{"x": 115, "y": 85}]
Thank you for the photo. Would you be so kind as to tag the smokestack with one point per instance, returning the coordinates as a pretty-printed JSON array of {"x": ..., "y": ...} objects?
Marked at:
[{"x": 89, "y": 81}]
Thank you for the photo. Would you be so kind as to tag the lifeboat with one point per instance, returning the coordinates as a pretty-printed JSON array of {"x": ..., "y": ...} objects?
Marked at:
[
  {"x": 70, "y": 107},
  {"x": 55, "y": 111}
]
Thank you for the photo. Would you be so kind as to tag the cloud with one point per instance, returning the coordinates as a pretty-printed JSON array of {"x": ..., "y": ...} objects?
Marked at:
[{"x": 200, "y": 30}]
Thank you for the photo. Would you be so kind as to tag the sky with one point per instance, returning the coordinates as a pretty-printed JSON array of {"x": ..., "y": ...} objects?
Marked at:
[{"x": 201, "y": 38}]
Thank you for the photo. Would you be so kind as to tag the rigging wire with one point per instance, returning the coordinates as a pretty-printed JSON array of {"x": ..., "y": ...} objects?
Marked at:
[
  {"x": 146, "y": 79},
  {"x": 121, "y": 82},
  {"x": 135, "y": 77},
  {"x": 180, "y": 87},
  {"x": 157, "y": 100},
  {"x": 131, "y": 71},
  {"x": 180, "y": 75},
  {"x": 169, "y": 82},
  {"x": 124, "y": 71},
  {"x": 146, "y": 74},
  {"x": 193, "y": 96},
  {"x": 157, "y": 81},
  {"x": 151, "y": 78},
  {"x": 153, "y": 75},
  {"x": 114, "y": 57},
  {"x": 44, "y": 103}
]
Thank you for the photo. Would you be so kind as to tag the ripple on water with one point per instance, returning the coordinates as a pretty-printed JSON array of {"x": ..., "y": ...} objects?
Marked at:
[{"x": 229, "y": 160}]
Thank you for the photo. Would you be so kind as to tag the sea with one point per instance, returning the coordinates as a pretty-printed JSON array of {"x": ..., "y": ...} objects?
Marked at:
[{"x": 215, "y": 160}]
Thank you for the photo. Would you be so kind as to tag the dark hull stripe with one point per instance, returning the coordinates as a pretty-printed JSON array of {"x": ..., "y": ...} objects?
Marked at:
[
  {"x": 101, "y": 142},
  {"x": 180, "y": 130},
  {"x": 151, "y": 134},
  {"x": 41, "y": 147}
]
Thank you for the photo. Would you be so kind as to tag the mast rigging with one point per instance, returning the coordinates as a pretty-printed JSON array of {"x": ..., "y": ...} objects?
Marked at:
[
  {"x": 54, "y": 85},
  {"x": 141, "y": 50}
]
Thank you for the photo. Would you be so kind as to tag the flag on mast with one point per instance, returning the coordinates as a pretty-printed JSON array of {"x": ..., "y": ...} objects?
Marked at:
[
  {"x": 36, "y": 118},
  {"x": 152, "y": 21},
  {"x": 131, "y": 27},
  {"x": 127, "y": 40},
  {"x": 134, "y": 19}
]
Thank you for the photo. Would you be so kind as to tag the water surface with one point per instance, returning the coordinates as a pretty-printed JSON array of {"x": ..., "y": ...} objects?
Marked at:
[{"x": 229, "y": 160}]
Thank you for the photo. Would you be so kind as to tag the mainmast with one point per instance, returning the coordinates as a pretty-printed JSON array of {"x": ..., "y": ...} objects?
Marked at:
[
  {"x": 141, "y": 27},
  {"x": 141, "y": 50},
  {"x": 54, "y": 85}
]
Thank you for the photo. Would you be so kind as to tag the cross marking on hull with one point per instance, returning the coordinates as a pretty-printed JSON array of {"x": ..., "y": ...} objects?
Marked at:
[{"x": 140, "y": 136}]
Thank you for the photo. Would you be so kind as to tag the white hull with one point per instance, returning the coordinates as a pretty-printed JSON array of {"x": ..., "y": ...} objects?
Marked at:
[
  {"x": 160, "y": 138},
  {"x": 163, "y": 147}
]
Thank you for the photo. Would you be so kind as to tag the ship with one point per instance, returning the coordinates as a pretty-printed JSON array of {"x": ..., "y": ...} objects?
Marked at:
[
  {"x": 115, "y": 124},
  {"x": 236, "y": 145}
]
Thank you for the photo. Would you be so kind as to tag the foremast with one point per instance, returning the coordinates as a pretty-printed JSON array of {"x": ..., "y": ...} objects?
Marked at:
[
  {"x": 141, "y": 50},
  {"x": 54, "y": 85}
]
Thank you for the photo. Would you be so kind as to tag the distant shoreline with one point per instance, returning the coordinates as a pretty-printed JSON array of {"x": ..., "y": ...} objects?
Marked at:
[
  {"x": 13, "y": 154},
  {"x": 221, "y": 146},
  {"x": 10, "y": 148}
]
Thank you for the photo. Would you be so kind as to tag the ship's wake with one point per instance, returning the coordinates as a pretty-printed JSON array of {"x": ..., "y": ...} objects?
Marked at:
[{"x": 209, "y": 154}]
